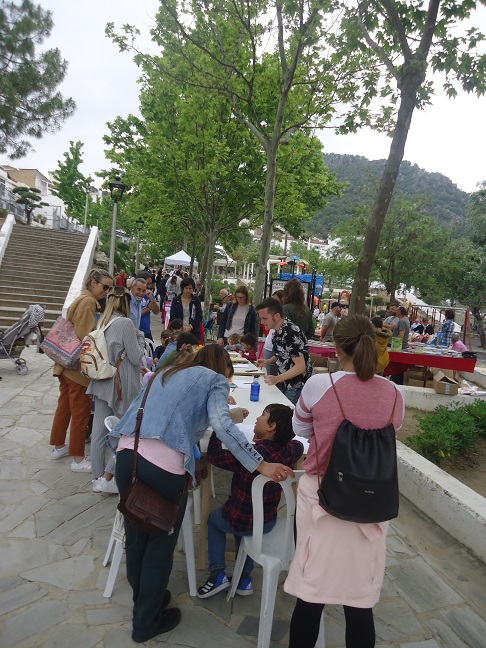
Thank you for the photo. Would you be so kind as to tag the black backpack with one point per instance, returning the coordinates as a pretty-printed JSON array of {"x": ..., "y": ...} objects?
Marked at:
[{"x": 360, "y": 483}]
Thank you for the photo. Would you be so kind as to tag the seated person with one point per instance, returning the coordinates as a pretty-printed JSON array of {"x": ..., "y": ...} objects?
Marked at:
[
  {"x": 234, "y": 343},
  {"x": 382, "y": 338},
  {"x": 249, "y": 343},
  {"x": 274, "y": 441},
  {"x": 457, "y": 345},
  {"x": 175, "y": 328},
  {"x": 164, "y": 341}
]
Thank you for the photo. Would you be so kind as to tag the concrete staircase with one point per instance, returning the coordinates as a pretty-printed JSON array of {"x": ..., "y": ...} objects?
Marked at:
[{"x": 38, "y": 267}]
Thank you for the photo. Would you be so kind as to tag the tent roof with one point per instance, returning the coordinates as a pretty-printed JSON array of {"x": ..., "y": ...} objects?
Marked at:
[{"x": 180, "y": 258}]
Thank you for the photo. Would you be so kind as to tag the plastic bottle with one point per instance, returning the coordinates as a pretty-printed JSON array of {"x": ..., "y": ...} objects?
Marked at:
[{"x": 255, "y": 390}]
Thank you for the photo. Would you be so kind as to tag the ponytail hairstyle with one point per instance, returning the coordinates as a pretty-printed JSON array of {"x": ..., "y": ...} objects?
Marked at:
[
  {"x": 117, "y": 301},
  {"x": 294, "y": 294},
  {"x": 355, "y": 335},
  {"x": 96, "y": 275}
]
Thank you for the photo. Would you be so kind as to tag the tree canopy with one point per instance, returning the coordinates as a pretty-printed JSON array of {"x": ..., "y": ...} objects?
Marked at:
[
  {"x": 70, "y": 184},
  {"x": 29, "y": 102}
]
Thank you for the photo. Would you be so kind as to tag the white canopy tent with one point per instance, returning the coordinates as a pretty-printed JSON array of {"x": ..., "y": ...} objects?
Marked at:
[{"x": 180, "y": 259}]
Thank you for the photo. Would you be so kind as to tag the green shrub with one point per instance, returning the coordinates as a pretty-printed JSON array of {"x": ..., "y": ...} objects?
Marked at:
[
  {"x": 446, "y": 433},
  {"x": 477, "y": 410}
]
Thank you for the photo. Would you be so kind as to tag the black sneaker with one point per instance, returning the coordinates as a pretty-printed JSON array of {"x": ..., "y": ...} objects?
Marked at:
[
  {"x": 168, "y": 620},
  {"x": 213, "y": 586}
]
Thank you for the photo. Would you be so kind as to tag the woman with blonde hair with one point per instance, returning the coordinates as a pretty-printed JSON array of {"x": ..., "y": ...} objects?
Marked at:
[
  {"x": 74, "y": 406},
  {"x": 112, "y": 396},
  {"x": 295, "y": 308},
  {"x": 337, "y": 561}
]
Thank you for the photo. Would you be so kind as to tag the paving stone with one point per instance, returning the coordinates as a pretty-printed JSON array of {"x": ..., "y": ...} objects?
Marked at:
[
  {"x": 25, "y": 436},
  {"x": 20, "y": 594},
  {"x": 396, "y": 545},
  {"x": 250, "y": 624},
  {"x": 82, "y": 598},
  {"x": 445, "y": 634},
  {"x": 25, "y": 530},
  {"x": 36, "y": 421},
  {"x": 6, "y": 422},
  {"x": 12, "y": 468},
  {"x": 21, "y": 513},
  {"x": 81, "y": 526},
  {"x": 39, "y": 618},
  {"x": 395, "y": 620},
  {"x": 428, "y": 643},
  {"x": 72, "y": 635},
  {"x": 422, "y": 587},
  {"x": 65, "y": 574},
  {"x": 27, "y": 553},
  {"x": 118, "y": 637},
  {"x": 54, "y": 515},
  {"x": 107, "y": 615},
  {"x": 468, "y": 625}
]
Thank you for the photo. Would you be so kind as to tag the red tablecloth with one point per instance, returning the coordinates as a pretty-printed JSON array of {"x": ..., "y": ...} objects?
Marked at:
[
  {"x": 325, "y": 352},
  {"x": 400, "y": 361}
]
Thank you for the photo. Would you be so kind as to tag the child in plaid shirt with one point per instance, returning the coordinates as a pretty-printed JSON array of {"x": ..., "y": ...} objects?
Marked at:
[{"x": 273, "y": 439}]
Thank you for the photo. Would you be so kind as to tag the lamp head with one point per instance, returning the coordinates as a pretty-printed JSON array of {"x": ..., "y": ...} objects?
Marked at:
[{"x": 116, "y": 189}]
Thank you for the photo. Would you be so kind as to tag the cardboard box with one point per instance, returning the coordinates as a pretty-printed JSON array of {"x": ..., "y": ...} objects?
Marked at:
[
  {"x": 413, "y": 382},
  {"x": 445, "y": 385}
]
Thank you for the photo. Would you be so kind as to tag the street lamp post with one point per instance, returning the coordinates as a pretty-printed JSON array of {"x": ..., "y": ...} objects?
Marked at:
[
  {"x": 139, "y": 223},
  {"x": 116, "y": 191}
]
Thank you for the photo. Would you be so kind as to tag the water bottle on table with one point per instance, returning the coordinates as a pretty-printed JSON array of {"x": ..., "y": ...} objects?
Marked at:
[{"x": 255, "y": 390}]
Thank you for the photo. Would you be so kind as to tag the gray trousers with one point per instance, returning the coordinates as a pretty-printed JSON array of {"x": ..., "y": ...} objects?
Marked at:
[{"x": 99, "y": 449}]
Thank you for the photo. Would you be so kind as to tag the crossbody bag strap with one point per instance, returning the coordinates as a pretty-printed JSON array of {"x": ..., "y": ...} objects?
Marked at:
[
  {"x": 393, "y": 410},
  {"x": 137, "y": 428},
  {"x": 315, "y": 436}
]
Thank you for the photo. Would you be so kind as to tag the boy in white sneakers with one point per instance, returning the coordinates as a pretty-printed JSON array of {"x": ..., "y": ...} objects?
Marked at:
[{"x": 273, "y": 439}]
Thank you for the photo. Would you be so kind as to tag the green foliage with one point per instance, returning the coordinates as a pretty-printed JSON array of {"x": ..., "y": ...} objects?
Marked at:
[
  {"x": 443, "y": 201},
  {"x": 29, "y": 102},
  {"x": 449, "y": 431},
  {"x": 30, "y": 198},
  {"x": 70, "y": 184}
]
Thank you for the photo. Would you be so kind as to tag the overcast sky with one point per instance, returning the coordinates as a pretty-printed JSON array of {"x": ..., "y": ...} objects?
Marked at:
[{"x": 448, "y": 137}]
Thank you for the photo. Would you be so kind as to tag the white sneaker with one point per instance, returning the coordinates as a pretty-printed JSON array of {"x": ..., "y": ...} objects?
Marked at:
[
  {"x": 102, "y": 485},
  {"x": 82, "y": 466},
  {"x": 59, "y": 453}
]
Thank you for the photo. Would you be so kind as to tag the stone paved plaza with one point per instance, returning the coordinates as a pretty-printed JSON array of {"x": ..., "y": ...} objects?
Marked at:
[{"x": 55, "y": 530}]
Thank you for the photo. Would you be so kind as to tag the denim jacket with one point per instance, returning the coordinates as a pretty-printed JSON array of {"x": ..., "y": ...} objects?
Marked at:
[{"x": 179, "y": 412}]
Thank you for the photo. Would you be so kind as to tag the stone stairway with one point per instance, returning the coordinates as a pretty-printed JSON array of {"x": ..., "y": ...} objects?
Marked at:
[{"x": 38, "y": 267}]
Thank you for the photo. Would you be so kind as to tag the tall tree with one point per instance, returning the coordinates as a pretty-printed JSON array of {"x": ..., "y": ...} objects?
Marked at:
[
  {"x": 273, "y": 92},
  {"x": 29, "y": 102},
  {"x": 408, "y": 39},
  {"x": 71, "y": 185},
  {"x": 30, "y": 198},
  {"x": 474, "y": 273}
]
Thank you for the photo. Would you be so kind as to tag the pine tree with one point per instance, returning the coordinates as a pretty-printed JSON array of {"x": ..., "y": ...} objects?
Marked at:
[
  {"x": 70, "y": 184},
  {"x": 29, "y": 102}
]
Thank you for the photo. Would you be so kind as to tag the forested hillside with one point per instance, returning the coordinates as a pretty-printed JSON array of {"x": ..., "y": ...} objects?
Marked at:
[{"x": 442, "y": 199}]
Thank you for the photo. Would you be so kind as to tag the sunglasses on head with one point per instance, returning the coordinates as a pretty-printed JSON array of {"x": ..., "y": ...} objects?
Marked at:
[{"x": 105, "y": 286}]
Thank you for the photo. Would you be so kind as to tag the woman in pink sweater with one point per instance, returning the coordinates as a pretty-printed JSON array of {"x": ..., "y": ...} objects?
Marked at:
[{"x": 336, "y": 561}]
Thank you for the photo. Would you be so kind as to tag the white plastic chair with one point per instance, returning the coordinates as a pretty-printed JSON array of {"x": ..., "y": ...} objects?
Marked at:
[
  {"x": 118, "y": 536},
  {"x": 273, "y": 551}
]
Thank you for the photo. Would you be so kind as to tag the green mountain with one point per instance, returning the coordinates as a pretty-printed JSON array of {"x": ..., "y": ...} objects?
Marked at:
[{"x": 443, "y": 200}]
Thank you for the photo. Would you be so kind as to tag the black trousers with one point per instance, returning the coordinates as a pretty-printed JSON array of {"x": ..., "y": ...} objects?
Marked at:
[{"x": 149, "y": 557}]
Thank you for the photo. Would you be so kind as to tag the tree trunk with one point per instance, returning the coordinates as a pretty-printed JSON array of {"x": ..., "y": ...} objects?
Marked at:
[
  {"x": 267, "y": 226},
  {"x": 479, "y": 325},
  {"x": 193, "y": 253},
  {"x": 366, "y": 259},
  {"x": 208, "y": 296}
]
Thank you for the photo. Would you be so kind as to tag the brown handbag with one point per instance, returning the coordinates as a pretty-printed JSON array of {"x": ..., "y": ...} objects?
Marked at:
[{"x": 140, "y": 504}]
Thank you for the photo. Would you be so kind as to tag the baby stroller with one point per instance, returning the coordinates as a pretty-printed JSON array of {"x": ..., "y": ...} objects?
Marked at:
[{"x": 14, "y": 339}]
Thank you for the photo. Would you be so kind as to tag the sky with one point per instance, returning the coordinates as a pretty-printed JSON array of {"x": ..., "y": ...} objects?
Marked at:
[{"x": 449, "y": 137}]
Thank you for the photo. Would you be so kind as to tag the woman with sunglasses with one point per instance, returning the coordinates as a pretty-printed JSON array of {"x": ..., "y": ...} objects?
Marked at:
[
  {"x": 74, "y": 406},
  {"x": 113, "y": 396}
]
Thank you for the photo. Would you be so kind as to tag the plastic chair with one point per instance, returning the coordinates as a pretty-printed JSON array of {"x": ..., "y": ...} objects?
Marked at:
[{"x": 273, "y": 551}]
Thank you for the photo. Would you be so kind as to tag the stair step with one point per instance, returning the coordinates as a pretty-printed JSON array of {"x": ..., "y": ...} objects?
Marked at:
[{"x": 28, "y": 292}]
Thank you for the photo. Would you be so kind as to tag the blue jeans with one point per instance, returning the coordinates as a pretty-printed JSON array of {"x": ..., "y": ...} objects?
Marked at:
[
  {"x": 218, "y": 527},
  {"x": 292, "y": 394}
]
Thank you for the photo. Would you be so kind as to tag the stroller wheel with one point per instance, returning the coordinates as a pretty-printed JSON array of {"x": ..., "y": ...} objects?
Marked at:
[{"x": 22, "y": 370}]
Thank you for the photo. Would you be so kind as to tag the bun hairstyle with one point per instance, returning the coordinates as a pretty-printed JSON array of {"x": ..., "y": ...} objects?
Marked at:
[{"x": 356, "y": 337}]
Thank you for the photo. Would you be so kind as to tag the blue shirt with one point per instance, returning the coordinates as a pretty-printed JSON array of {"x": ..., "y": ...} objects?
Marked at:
[
  {"x": 135, "y": 311},
  {"x": 145, "y": 319}
]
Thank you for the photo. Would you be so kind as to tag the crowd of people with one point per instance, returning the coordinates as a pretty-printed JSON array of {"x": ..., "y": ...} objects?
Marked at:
[{"x": 336, "y": 561}]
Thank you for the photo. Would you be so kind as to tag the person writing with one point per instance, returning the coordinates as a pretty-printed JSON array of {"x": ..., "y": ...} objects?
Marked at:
[
  {"x": 194, "y": 397},
  {"x": 337, "y": 561},
  {"x": 274, "y": 440}
]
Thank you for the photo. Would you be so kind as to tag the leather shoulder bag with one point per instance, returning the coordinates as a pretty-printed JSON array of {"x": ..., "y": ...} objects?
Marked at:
[{"x": 140, "y": 504}]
